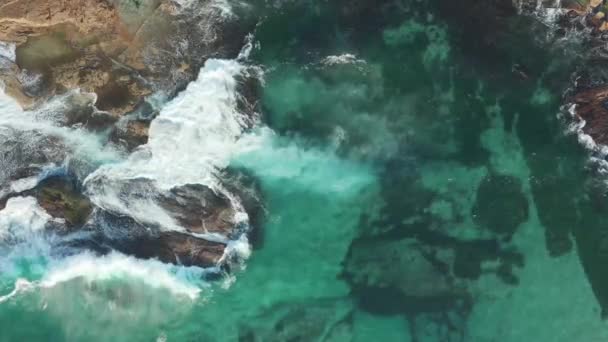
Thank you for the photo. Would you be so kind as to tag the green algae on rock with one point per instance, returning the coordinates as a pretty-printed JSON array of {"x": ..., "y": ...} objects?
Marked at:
[
  {"x": 61, "y": 200},
  {"x": 500, "y": 205}
]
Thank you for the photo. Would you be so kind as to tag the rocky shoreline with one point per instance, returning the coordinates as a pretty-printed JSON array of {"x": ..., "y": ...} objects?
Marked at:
[{"x": 110, "y": 62}]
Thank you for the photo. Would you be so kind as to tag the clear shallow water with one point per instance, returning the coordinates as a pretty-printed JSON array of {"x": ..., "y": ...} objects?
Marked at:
[{"x": 379, "y": 138}]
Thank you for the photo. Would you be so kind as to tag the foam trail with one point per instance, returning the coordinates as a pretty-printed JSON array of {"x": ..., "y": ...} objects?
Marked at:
[
  {"x": 179, "y": 281},
  {"x": 85, "y": 144},
  {"x": 276, "y": 159},
  {"x": 23, "y": 239},
  {"x": 21, "y": 286},
  {"x": 90, "y": 268}
]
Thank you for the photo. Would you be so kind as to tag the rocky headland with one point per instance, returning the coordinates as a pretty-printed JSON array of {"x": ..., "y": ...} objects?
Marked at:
[{"x": 111, "y": 62}]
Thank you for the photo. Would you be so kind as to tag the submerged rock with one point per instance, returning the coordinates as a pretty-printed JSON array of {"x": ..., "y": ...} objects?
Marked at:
[
  {"x": 396, "y": 276},
  {"x": 319, "y": 320},
  {"x": 501, "y": 206},
  {"x": 482, "y": 22}
]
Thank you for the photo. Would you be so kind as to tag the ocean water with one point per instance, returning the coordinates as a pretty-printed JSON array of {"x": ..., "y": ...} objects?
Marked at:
[{"x": 415, "y": 187}]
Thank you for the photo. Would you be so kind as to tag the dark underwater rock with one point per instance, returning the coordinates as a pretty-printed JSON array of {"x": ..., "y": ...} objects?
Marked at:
[
  {"x": 501, "y": 205},
  {"x": 482, "y": 22},
  {"x": 311, "y": 321},
  {"x": 398, "y": 270}
]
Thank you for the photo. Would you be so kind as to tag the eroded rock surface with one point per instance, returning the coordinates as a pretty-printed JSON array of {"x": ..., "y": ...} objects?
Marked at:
[
  {"x": 321, "y": 320},
  {"x": 122, "y": 50}
]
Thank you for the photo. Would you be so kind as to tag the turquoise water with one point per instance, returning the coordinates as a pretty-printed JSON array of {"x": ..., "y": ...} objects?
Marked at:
[{"x": 414, "y": 187}]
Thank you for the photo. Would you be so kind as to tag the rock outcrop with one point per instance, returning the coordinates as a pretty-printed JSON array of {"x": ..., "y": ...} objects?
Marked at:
[
  {"x": 592, "y": 107},
  {"x": 60, "y": 198},
  {"x": 101, "y": 60},
  {"x": 75, "y": 44},
  {"x": 121, "y": 50},
  {"x": 174, "y": 247}
]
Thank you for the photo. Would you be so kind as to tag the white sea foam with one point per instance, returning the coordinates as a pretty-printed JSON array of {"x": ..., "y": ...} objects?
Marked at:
[
  {"x": 7, "y": 51},
  {"x": 276, "y": 159},
  {"x": 21, "y": 218},
  {"x": 22, "y": 223},
  {"x": 22, "y": 237},
  {"x": 240, "y": 248},
  {"x": 222, "y": 7},
  {"x": 8, "y": 105},
  {"x": 85, "y": 144},
  {"x": 91, "y": 268},
  {"x": 190, "y": 142},
  {"x": 346, "y": 58}
]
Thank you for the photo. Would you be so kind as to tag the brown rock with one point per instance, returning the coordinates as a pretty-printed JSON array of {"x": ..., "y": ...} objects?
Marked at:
[
  {"x": 592, "y": 106},
  {"x": 195, "y": 207},
  {"x": 121, "y": 50},
  {"x": 178, "y": 248},
  {"x": 198, "y": 209},
  {"x": 143, "y": 241},
  {"x": 595, "y": 3},
  {"x": 132, "y": 134},
  {"x": 86, "y": 44},
  {"x": 21, "y": 19}
]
